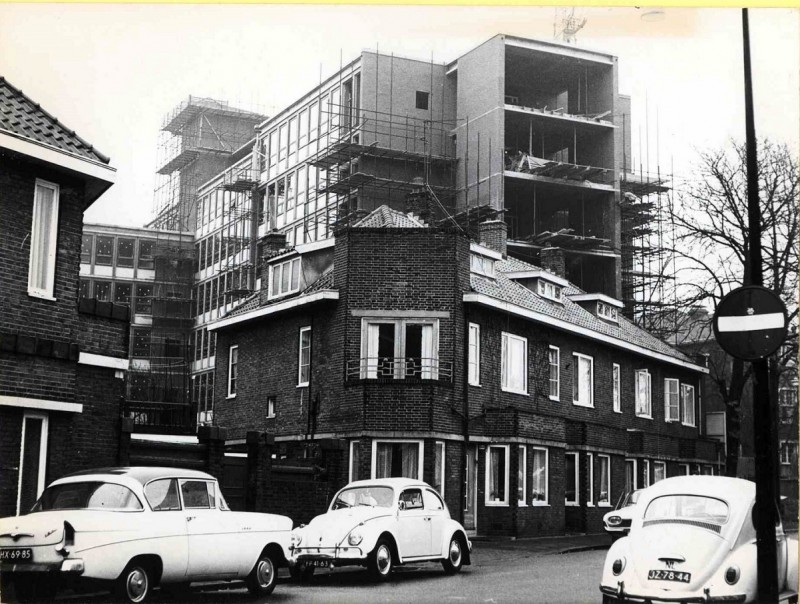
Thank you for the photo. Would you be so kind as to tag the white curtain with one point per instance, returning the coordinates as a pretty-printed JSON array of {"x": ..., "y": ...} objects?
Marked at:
[
  {"x": 42, "y": 239},
  {"x": 410, "y": 466},
  {"x": 430, "y": 369},
  {"x": 383, "y": 461},
  {"x": 369, "y": 364}
]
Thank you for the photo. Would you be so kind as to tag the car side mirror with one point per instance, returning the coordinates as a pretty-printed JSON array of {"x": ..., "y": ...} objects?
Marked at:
[{"x": 401, "y": 505}]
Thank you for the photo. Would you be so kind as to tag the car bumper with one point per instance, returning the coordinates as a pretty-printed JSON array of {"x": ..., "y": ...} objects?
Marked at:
[
  {"x": 69, "y": 565},
  {"x": 327, "y": 556}
]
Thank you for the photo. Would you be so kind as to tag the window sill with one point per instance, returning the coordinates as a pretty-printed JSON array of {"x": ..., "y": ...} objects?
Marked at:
[
  {"x": 604, "y": 505},
  {"x": 689, "y": 425},
  {"x": 587, "y": 405},
  {"x": 41, "y": 296},
  {"x": 230, "y": 396},
  {"x": 474, "y": 385},
  {"x": 650, "y": 417},
  {"x": 303, "y": 385},
  {"x": 271, "y": 416},
  {"x": 618, "y": 411},
  {"x": 571, "y": 504},
  {"x": 539, "y": 504},
  {"x": 514, "y": 391},
  {"x": 521, "y": 504},
  {"x": 496, "y": 504},
  {"x": 671, "y": 421},
  {"x": 555, "y": 398},
  {"x": 589, "y": 504}
]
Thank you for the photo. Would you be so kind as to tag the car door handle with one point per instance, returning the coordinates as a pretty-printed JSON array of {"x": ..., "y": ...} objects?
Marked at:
[
  {"x": 190, "y": 518},
  {"x": 428, "y": 518}
]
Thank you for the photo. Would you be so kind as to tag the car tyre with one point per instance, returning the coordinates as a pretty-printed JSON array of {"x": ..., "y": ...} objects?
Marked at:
[
  {"x": 381, "y": 561},
  {"x": 261, "y": 580},
  {"x": 135, "y": 583},
  {"x": 455, "y": 556},
  {"x": 301, "y": 573}
]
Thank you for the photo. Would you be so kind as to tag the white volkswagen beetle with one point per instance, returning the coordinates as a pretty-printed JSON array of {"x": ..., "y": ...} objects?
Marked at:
[
  {"x": 381, "y": 524},
  {"x": 129, "y": 529},
  {"x": 693, "y": 540}
]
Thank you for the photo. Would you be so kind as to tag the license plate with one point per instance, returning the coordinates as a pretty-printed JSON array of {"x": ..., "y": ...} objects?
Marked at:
[
  {"x": 318, "y": 563},
  {"x": 16, "y": 554},
  {"x": 669, "y": 575}
]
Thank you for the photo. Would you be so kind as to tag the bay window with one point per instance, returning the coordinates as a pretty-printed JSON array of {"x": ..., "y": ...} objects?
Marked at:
[{"x": 400, "y": 348}]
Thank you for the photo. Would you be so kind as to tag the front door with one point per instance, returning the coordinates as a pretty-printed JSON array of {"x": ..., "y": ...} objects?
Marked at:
[
  {"x": 32, "y": 460},
  {"x": 470, "y": 505}
]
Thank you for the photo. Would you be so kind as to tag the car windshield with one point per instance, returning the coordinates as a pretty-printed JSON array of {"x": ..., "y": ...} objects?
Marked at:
[
  {"x": 688, "y": 507},
  {"x": 632, "y": 498},
  {"x": 372, "y": 496},
  {"x": 87, "y": 496}
]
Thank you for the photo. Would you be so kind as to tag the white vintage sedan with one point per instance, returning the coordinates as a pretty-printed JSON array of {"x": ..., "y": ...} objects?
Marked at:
[
  {"x": 693, "y": 540},
  {"x": 617, "y": 522},
  {"x": 130, "y": 529},
  {"x": 381, "y": 524}
]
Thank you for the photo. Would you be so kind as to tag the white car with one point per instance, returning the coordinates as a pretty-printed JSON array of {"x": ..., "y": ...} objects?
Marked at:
[
  {"x": 380, "y": 524},
  {"x": 693, "y": 540},
  {"x": 129, "y": 529},
  {"x": 617, "y": 522}
]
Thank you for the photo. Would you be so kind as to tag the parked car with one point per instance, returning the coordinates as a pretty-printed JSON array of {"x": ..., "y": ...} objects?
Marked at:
[
  {"x": 130, "y": 529},
  {"x": 617, "y": 522},
  {"x": 693, "y": 540},
  {"x": 381, "y": 524}
]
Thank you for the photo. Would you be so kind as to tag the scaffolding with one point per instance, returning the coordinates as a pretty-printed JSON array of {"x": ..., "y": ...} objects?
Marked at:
[{"x": 197, "y": 140}]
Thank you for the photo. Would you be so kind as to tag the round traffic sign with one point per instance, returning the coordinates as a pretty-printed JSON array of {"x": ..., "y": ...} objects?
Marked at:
[{"x": 750, "y": 323}]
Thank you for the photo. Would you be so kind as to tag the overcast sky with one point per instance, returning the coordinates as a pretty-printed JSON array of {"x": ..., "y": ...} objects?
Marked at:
[{"x": 111, "y": 72}]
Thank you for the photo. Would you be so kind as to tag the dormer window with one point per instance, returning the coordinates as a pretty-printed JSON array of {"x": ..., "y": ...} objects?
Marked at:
[
  {"x": 285, "y": 278},
  {"x": 606, "y": 311},
  {"x": 549, "y": 290},
  {"x": 482, "y": 265}
]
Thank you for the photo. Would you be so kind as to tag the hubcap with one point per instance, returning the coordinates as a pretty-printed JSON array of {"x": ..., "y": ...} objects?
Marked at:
[
  {"x": 137, "y": 585},
  {"x": 384, "y": 560},
  {"x": 265, "y": 572},
  {"x": 455, "y": 552}
]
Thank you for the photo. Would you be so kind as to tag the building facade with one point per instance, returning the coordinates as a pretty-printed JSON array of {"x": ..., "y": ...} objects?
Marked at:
[
  {"x": 530, "y": 404},
  {"x": 61, "y": 367}
]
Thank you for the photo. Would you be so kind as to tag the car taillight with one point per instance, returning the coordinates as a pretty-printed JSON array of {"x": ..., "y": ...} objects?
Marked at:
[
  {"x": 732, "y": 575},
  {"x": 618, "y": 566}
]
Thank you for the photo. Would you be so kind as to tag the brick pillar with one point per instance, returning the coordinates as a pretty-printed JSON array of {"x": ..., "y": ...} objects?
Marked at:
[
  {"x": 213, "y": 437},
  {"x": 259, "y": 469},
  {"x": 493, "y": 234},
  {"x": 552, "y": 260},
  {"x": 124, "y": 452}
]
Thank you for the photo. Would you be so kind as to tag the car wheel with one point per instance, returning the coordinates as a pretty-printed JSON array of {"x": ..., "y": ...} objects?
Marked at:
[
  {"x": 381, "y": 561},
  {"x": 261, "y": 580},
  {"x": 301, "y": 573},
  {"x": 455, "y": 558},
  {"x": 135, "y": 583}
]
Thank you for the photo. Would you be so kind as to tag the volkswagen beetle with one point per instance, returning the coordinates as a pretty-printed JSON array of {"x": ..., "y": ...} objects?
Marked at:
[
  {"x": 129, "y": 529},
  {"x": 693, "y": 540},
  {"x": 380, "y": 524}
]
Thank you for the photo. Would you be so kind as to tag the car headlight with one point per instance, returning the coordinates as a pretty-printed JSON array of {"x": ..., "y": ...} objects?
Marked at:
[
  {"x": 355, "y": 537},
  {"x": 732, "y": 575},
  {"x": 614, "y": 520},
  {"x": 296, "y": 539},
  {"x": 618, "y": 566}
]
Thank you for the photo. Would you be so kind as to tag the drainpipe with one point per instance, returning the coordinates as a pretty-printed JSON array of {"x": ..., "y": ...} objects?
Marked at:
[{"x": 465, "y": 414}]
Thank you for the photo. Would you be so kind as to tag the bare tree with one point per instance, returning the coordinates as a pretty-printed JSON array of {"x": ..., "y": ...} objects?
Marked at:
[{"x": 712, "y": 255}]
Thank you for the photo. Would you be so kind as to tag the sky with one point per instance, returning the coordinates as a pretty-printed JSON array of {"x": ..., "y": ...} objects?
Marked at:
[{"x": 111, "y": 72}]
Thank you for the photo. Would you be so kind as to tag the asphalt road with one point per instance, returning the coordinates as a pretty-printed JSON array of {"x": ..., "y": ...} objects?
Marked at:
[{"x": 501, "y": 572}]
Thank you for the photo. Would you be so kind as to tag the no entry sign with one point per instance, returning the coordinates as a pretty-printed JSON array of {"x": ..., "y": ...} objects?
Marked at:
[{"x": 750, "y": 323}]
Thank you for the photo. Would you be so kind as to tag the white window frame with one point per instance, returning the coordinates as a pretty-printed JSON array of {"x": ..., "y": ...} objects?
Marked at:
[
  {"x": 235, "y": 384},
  {"x": 576, "y": 358},
  {"x": 668, "y": 408},
  {"x": 663, "y": 466},
  {"x": 300, "y": 381},
  {"x": 281, "y": 265},
  {"x": 557, "y": 395},
  {"x": 482, "y": 265},
  {"x": 577, "y": 500},
  {"x": 429, "y": 371},
  {"x": 42, "y": 456},
  {"x": 649, "y": 401},
  {"x": 504, "y": 386},
  {"x": 635, "y": 484},
  {"x": 549, "y": 290},
  {"x": 270, "y": 407},
  {"x": 605, "y": 503},
  {"x": 487, "y": 491},
  {"x": 786, "y": 451},
  {"x": 646, "y": 473},
  {"x": 440, "y": 444},
  {"x": 684, "y": 390},
  {"x": 684, "y": 469},
  {"x": 44, "y": 248},
  {"x": 420, "y": 456},
  {"x": 474, "y": 354},
  {"x": 608, "y": 312},
  {"x": 350, "y": 462},
  {"x": 524, "y": 449},
  {"x": 546, "y": 502},
  {"x": 616, "y": 393},
  {"x": 590, "y": 465}
]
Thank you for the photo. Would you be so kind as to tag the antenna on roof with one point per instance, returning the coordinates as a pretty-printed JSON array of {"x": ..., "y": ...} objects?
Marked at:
[{"x": 570, "y": 25}]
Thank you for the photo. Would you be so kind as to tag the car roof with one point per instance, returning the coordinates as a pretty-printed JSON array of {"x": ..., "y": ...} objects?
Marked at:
[
  {"x": 396, "y": 483},
  {"x": 719, "y": 487},
  {"x": 140, "y": 474}
]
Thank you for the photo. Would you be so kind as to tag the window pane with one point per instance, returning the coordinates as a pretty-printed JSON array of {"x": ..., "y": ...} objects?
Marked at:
[
  {"x": 195, "y": 494},
  {"x": 397, "y": 460},
  {"x": 438, "y": 468},
  {"x": 43, "y": 238},
  {"x": 163, "y": 495},
  {"x": 122, "y": 293},
  {"x": 102, "y": 291},
  {"x": 554, "y": 368},
  {"x": 385, "y": 356},
  {"x": 84, "y": 288},
  {"x": 146, "y": 254},
  {"x": 570, "y": 485},
  {"x": 474, "y": 354},
  {"x": 125, "y": 252},
  {"x": 497, "y": 472},
  {"x": 604, "y": 480},
  {"x": 87, "y": 242},
  {"x": 104, "y": 252},
  {"x": 413, "y": 353},
  {"x": 521, "y": 473},
  {"x": 295, "y": 281},
  {"x": 144, "y": 299},
  {"x": 539, "y": 482},
  {"x": 305, "y": 356}
]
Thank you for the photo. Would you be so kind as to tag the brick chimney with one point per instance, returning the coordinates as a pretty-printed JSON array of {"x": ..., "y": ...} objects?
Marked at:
[
  {"x": 552, "y": 260},
  {"x": 493, "y": 234},
  {"x": 419, "y": 202}
]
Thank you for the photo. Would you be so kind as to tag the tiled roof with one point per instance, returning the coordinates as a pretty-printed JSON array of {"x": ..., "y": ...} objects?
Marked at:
[
  {"x": 23, "y": 117},
  {"x": 385, "y": 217},
  {"x": 324, "y": 282},
  {"x": 507, "y": 290}
]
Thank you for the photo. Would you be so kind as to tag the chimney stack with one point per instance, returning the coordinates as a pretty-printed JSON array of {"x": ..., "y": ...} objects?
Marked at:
[
  {"x": 552, "y": 260},
  {"x": 418, "y": 201},
  {"x": 493, "y": 234}
]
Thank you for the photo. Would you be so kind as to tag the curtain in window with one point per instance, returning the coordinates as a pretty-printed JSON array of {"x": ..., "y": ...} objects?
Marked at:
[
  {"x": 383, "y": 461},
  {"x": 42, "y": 239},
  {"x": 521, "y": 474},
  {"x": 497, "y": 472},
  {"x": 513, "y": 364},
  {"x": 397, "y": 460},
  {"x": 539, "y": 483},
  {"x": 570, "y": 488},
  {"x": 429, "y": 365},
  {"x": 438, "y": 464},
  {"x": 604, "y": 495},
  {"x": 584, "y": 387},
  {"x": 410, "y": 453}
]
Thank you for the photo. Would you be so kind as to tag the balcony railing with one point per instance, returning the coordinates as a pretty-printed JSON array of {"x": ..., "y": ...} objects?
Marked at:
[
  {"x": 399, "y": 368},
  {"x": 162, "y": 417}
]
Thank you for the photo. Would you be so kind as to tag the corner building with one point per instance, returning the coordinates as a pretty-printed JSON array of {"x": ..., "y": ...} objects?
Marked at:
[{"x": 404, "y": 349}]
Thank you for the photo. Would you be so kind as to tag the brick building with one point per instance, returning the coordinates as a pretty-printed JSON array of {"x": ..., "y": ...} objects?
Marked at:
[
  {"x": 61, "y": 368},
  {"x": 400, "y": 348}
]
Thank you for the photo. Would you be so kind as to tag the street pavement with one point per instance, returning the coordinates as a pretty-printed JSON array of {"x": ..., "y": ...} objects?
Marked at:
[{"x": 552, "y": 570}]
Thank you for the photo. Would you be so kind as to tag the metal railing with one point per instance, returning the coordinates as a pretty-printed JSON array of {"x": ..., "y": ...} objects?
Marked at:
[{"x": 399, "y": 368}]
